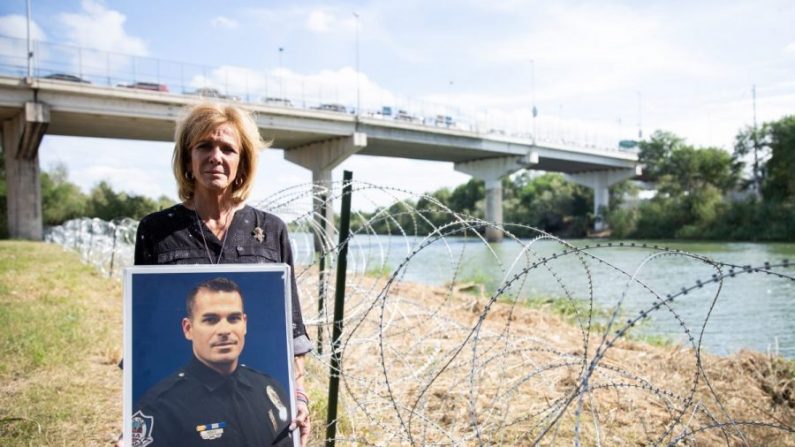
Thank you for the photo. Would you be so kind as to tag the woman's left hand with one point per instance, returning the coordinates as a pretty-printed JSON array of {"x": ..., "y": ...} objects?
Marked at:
[{"x": 302, "y": 421}]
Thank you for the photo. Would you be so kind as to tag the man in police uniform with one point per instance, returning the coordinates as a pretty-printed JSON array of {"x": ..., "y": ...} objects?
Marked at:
[{"x": 214, "y": 400}]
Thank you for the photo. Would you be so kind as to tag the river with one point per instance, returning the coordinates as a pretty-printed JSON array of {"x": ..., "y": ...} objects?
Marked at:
[{"x": 753, "y": 310}]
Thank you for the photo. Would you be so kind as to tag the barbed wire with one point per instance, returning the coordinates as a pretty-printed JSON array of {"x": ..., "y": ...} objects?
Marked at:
[{"x": 430, "y": 355}]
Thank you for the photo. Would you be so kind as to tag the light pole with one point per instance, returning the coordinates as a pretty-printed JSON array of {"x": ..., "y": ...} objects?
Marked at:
[
  {"x": 281, "y": 74},
  {"x": 640, "y": 116},
  {"x": 358, "y": 88},
  {"x": 30, "y": 48},
  {"x": 757, "y": 186},
  {"x": 534, "y": 110}
]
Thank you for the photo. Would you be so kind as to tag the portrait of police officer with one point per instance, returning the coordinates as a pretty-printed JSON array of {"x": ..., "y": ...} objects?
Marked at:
[{"x": 214, "y": 400}]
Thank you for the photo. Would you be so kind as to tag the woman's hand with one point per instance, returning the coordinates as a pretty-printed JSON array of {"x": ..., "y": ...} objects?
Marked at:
[
  {"x": 301, "y": 402},
  {"x": 302, "y": 421}
]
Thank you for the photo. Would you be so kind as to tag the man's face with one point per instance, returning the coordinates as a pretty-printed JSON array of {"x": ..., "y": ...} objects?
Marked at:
[{"x": 217, "y": 328}]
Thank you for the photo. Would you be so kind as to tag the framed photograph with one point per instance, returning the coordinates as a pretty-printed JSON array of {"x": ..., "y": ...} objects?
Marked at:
[{"x": 208, "y": 355}]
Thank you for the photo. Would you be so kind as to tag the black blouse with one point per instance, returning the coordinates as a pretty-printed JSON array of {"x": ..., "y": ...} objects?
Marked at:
[{"x": 173, "y": 236}]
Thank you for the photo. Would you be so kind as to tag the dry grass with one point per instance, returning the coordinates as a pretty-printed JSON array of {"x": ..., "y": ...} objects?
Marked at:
[
  {"x": 61, "y": 338},
  {"x": 506, "y": 382},
  {"x": 516, "y": 377}
]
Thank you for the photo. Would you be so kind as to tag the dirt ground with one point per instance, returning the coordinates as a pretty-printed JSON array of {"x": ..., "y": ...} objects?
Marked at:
[
  {"x": 420, "y": 366},
  {"x": 440, "y": 366}
]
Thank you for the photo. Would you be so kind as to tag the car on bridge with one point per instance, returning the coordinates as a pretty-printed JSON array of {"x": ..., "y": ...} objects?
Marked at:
[
  {"x": 151, "y": 86},
  {"x": 402, "y": 115},
  {"x": 209, "y": 92},
  {"x": 66, "y": 77},
  {"x": 332, "y": 108},
  {"x": 279, "y": 102},
  {"x": 444, "y": 121}
]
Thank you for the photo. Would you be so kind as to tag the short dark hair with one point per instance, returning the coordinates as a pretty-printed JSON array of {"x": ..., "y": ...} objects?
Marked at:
[{"x": 214, "y": 285}]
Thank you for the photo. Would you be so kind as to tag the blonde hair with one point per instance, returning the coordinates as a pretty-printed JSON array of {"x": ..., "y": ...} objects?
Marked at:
[{"x": 199, "y": 121}]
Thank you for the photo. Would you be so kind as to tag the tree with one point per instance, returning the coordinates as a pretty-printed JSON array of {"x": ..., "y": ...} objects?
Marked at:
[
  {"x": 688, "y": 170},
  {"x": 3, "y": 206},
  {"x": 655, "y": 153},
  {"x": 107, "y": 204},
  {"x": 104, "y": 202},
  {"x": 752, "y": 147},
  {"x": 550, "y": 203},
  {"x": 779, "y": 183},
  {"x": 61, "y": 199},
  {"x": 468, "y": 198}
]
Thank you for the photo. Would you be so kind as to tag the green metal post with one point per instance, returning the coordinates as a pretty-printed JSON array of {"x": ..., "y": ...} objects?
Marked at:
[
  {"x": 339, "y": 308},
  {"x": 321, "y": 300}
]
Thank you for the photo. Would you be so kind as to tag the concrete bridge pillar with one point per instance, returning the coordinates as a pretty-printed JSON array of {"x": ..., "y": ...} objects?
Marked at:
[
  {"x": 321, "y": 158},
  {"x": 22, "y": 135},
  {"x": 491, "y": 171},
  {"x": 600, "y": 181}
]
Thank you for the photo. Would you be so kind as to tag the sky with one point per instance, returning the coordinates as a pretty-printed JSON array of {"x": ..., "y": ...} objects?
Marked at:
[{"x": 597, "y": 72}]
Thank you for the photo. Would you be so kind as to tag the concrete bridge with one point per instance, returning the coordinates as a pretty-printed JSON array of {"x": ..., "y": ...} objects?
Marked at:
[{"x": 318, "y": 140}]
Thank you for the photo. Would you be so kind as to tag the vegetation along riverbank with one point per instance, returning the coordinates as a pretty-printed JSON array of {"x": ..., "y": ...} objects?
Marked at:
[{"x": 61, "y": 325}]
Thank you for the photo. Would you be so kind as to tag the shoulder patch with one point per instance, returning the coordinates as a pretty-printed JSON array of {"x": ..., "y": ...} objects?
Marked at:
[{"x": 142, "y": 426}]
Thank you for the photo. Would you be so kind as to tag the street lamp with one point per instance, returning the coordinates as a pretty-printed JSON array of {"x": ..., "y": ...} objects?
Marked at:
[
  {"x": 640, "y": 116},
  {"x": 358, "y": 89},
  {"x": 281, "y": 74},
  {"x": 30, "y": 49},
  {"x": 534, "y": 110}
]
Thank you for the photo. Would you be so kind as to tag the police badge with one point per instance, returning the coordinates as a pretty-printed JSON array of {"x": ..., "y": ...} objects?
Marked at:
[
  {"x": 142, "y": 429},
  {"x": 211, "y": 431}
]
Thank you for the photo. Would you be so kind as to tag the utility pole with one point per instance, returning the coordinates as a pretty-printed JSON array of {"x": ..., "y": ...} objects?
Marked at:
[
  {"x": 640, "y": 116},
  {"x": 755, "y": 135},
  {"x": 30, "y": 48},
  {"x": 534, "y": 110},
  {"x": 358, "y": 89},
  {"x": 281, "y": 74}
]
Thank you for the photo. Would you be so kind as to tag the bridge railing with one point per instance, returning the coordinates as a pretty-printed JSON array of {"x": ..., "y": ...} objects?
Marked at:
[{"x": 283, "y": 88}]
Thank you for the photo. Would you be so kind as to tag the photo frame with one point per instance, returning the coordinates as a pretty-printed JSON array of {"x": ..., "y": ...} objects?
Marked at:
[{"x": 156, "y": 349}]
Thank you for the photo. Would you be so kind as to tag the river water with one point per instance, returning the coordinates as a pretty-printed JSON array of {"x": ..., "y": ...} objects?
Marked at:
[{"x": 753, "y": 310}]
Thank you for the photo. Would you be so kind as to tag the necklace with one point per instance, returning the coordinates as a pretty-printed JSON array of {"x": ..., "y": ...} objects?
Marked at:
[{"x": 204, "y": 240}]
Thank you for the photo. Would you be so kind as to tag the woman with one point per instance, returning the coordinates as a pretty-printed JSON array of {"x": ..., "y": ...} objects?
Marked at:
[{"x": 214, "y": 163}]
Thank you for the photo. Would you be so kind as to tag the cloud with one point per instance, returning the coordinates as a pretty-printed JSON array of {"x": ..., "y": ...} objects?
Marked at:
[
  {"x": 128, "y": 167},
  {"x": 319, "y": 21},
  {"x": 591, "y": 49},
  {"x": 224, "y": 22},
  {"x": 16, "y": 26},
  {"x": 98, "y": 27},
  {"x": 14, "y": 49},
  {"x": 325, "y": 86}
]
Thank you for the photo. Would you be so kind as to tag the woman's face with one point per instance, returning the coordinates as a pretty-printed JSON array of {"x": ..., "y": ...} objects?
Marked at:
[{"x": 214, "y": 159}]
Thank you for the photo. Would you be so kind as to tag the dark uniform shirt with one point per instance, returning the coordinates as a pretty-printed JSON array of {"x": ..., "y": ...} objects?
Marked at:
[
  {"x": 174, "y": 236},
  {"x": 197, "y": 406}
]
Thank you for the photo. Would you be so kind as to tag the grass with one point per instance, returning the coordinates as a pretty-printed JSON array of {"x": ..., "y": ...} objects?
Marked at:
[
  {"x": 570, "y": 309},
  {"x": 61, "y": 338},
  {"x": 379, "y": 271}
]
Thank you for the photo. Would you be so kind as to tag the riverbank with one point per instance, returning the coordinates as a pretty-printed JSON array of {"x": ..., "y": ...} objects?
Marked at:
[
  {"x": 437, "y": 365},
  {"x": 421, "y": 365}
]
